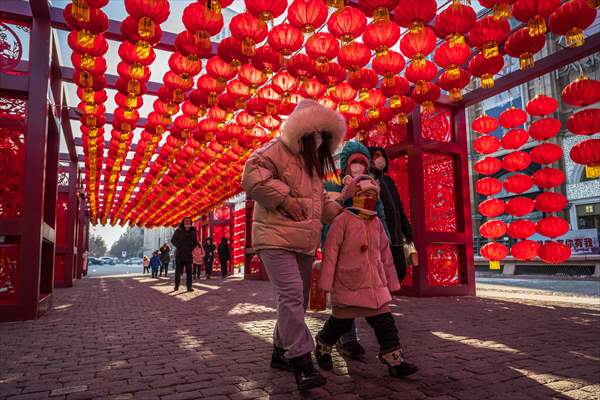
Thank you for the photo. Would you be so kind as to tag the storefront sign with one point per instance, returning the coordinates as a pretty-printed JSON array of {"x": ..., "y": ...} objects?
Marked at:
[{"x": 581, "y": 241}]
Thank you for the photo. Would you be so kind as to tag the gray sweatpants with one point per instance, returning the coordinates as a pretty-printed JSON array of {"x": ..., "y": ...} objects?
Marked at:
[{"x": 290, "y": 274}]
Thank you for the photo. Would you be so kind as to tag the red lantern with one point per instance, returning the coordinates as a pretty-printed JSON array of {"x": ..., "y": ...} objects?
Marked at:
[
  {"x": 550, "y": 202},
  {"x": 82, "y": 42},
  {"x": 585, "y": 122},
  {"x": 501, "y": 7},
  {"x": 285, "y": 39},
  {"x": 307, "y": 15},
  {"x": 486, "y": 144},
  {"x": 185, "y": 65},
  {"x": 331, "y": 73},
  {"x": 512, "y": 118},
  {"x": 514, "y": 139},
  {"x": 548, "y": 177},
  {"x": 427, "y": 96},
  {"x": 354, "y": 56},
  {"x": 347, "y": 24},
  {"x": 421, "y": 74},
  {"x": 248, "y": 29},
  {"x": 546, "y": 153},
  {"x": 211, "y": 87},
  {"x": 516, "y": 161},
  {"x": 487, "y": 166},
  {"x": 267, "y": 59},
  {"x": 414, "y": 15},
  {"x": 377, "y": 9},
  {"x": 588, "y": 154},
  {"x": 521, "y": 229},
  {"x": 252, "y": 77},
  {"x": 522, "y": 45},
  {"x": 492, "y": 207},
  {"x": 380, "y": 35},
  {"x": 451, "y": 58},
  {"x": 455, "y": 85},
  {"x": 525, "y": 250},
  {"x": 343, "y": 94},
  {"x": 266, "y": 10},
  {"x": 219, "y": 69},
  {"x": 519, "y": 206},
  {"x": 418, "y": 45},
  {"x": 518, "y": 183},
  {"x": 301, "y": 66},
  {"x": 395, "y": 86},
  {"x": 202, "y": 22},
  {"x": 488, "y": 186},
  {"x": 94, "y": 22},
  {"x": 534, "y": 12},
  {"x": 402, "y": 106},
  {"x": 230, "y": 50},
  {"x": 554, "y": 252},
  {"x": 541, "y": 105},
  {"x": 388, "y": 65},
  {"x": 493, "y": 229},
  {"x": 494, "y": 251},
  {"x": 488, "y": 34},
  {"x": 313, "y": 89},
  {"x": 454, "y": 22},
  {"x": 322, "y": 47},
  {"x": 582, "y": 92},
  {"x": 364, "y": 80},
  {"x": 544, "y": 129},
  {"x": 571, "y": 19},
  {"x": 552, "y": 227},
  {"x": 484, "y": 124},
  {"x": 284, "y": 84},
  {"x": 485, "y": 68}
]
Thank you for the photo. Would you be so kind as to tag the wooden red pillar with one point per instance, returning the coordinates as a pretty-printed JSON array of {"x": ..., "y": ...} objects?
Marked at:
[{"x": 66, "y": 225}]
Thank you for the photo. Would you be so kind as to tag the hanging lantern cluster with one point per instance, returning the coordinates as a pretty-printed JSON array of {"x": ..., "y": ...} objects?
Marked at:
[{"x": 88, "y": 23}]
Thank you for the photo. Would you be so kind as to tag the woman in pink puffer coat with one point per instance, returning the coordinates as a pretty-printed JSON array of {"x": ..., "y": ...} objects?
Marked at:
[{"x": 358, "y": 270}]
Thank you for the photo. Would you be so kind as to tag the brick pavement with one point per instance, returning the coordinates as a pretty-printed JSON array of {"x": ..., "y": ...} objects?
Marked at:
[{"x": 132, "y": 338}]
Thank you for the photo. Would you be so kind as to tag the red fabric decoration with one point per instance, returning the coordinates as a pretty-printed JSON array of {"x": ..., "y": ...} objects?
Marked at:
[
  {"x": 307, "y": 15},
  {"x": 347, "y": 24},
  {"x": 519, "y": 206},
  {"x": 547, "y": 177},
  {"x": 454, "y": 22},
  {"x": 521, "y": 229},
  {"x": 571, "y": 19},
  {"x": 414, "y": 15},
  {"x": 487, "y": 166},
  {"x": 545, "y": 128},
  {"x": 488, "y": 186},
  {"x": 493, "y": 229},
  {"x": 554, "y": 252},
  {"x": 484, "y": 124},
  {"x": 525, "y": 250},
  {"x": 585, "y": 122},
  {"x": 516, "y": 161},
  {"x": 354, "y": 56},
  {"x": 518, "y": 183},
  {"x": 552, "y": 227},
  {"x": 523, "y": 46},
  {"x": 534, "y": 13},
  {"x": 550, "y": 202},
  {"x": 493, "y": 251},
  {"x": 486, "y": 144},
  {"x": 285, "y": 39},
  {"x": 488, "y": 34},
  {"x": 485, "y": 68},
  {"x": 514, "y": 139},
  {"x": 322, "y": 47},
  {"x": 546, "y": 153},
  {"x": 586, "y": 152},
  {"x": 266, "y": 10},
  {"x": 492, "y": 207},
  {"x": 380, "y": 35},
  {"x": 512, "y": 118},
  {"x": 541, "y": 105},
  {"x": 582, "y": 92}
]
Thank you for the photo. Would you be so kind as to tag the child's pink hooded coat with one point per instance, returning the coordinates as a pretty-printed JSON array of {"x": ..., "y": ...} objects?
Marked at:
[{"x": 356, "y": 278}]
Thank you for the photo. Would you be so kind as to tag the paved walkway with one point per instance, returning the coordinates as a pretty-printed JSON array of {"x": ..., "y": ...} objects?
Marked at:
[{"x": 132, "y": 338}]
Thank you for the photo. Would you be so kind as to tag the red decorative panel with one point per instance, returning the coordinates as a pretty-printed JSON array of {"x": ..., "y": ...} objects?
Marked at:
[
  {"x": 239, "y": 236},
  {"x": 11, "y": 49},
  {"x": 443, "y": 265},
  {"x": 12, "y": 155},
  {"x": 390, "y": 135},
  {"x": 9, "y": 268},
  {"x": 440, "y": 195},
  {"x": 62, "y": 213},
  {"x": 59, "y": 268},
  {"x": 398, "y": 170},
  {"x": 437, "y": 125}
]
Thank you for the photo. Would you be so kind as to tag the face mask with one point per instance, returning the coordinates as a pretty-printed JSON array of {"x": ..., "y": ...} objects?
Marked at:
[
  {"x": 356, "y": 169},
  {"x": 318, "y": 140},
  {"x": 379, "y": 163}
]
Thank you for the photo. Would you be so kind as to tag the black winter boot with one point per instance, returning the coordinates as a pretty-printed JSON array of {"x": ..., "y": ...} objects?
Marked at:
[
  {"x": 352, "y": 349},
  {"x": 323, "y": 354},
  {"x": 280, "y": 361},
  {"x": 307, "y": 376},
  {"x": 394, "y": 360}
]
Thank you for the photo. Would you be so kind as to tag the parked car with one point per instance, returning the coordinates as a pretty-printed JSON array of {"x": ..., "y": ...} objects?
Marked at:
[
  {"x": 107, "y": 260},
  {"x": 134, "y": 261},
  {"x": 94, "y": 261}
]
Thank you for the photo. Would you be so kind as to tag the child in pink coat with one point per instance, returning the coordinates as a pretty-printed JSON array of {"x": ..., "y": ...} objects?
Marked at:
[{"x": 358, "y": 270}]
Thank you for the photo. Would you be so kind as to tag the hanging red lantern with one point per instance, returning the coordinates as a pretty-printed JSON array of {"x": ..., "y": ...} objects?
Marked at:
[
  {"x": 550, "y": 202},
  {"x": 377, "y": 9},
  {"x": 380, "y": 35},
  {"x": 571, "y": 19},
  {"x": 554, "y": 252},
  {"x": 174, "y": 81},
  {"x": 252, "y": 77},
  {"x": 307, "y": 15},
  {"x": 95, "y": 20},
  {"x": 388, "y": 65},
  {"x": 427, "y": 96},
  {"x": 343, "y": 94},
  {"x": 248, "y": 29},
  {"x": 518, "y": 183},
  {"x": 364, "y": 80},
  {"x": 402, "y": 106},
  {"x": 494, "y": 252},
  {"x": 485, "y": 68},
  {"x": 267, "y": 59},
  {"x": 455, "y": 84},
  {"x": 219, "y": 69},
  {"x": 585, "y": 122},
  {"x": 514, "y": 139},
  {"x": 94, "y": 65},
  {"x": 546, "y": 153},
  {"x": 187, "y": 44},
  {"x": 266, "y": 10},
  {"x": 302, "y": 67},
  {"x": 534, "y": 13},
  {"x": 582, "y": 92},
  {"x": 501, "y": 7},
  {"x": 516, "y": 161},
  {"x": 331, "y": 74},
  {"x": 519, "y": 206},
  {"x": 488, "y": 34},
  {"x": 493, "y": 229},
  {"x": 548, "y": 177},
  {"x": 521, "y": 229},
  {"x": 541, "y": 105},
  {"x": 230, "y": 50},
  {"x": 544, "y": 129},
  {"x": 322, "y": 47},
  {"x": 347, "y": 24},
  {"x": 512, "y": 118},
  {"x": 418, "y": 45},
  {"x": 285, "y": 39},
  {"x": 587, "y": 153},
  {"x": 211, "y": 86},
  {"x": 284, "y": 84},
  {"x": 185, "y": 65},
  {"x": 525, "y": 250},
  {"x": 395, "y": 86},
  {"x": 492, "y": 208},
  {"x": 124, "y": 101},
  {"x": 552, "y": 227},
  {"x": 414, "y": 15},
  {"x": 487, "y": 166},
  {"x": 522, "y": 45},
  {"x": 484, "y": 124},
  {"x": 313, "y": 89},
  {"x": 486, "y": 144},
  {"x": 454, "y": 22},
  {"x": 82, "y": 42},
  {"x": 202, "y": 22},
  {"x": 354, "y": 56},
  {"x": 421, "y": 74},
  {"x": 488, "y": 186},
  {"x": 451, "y": 58}
]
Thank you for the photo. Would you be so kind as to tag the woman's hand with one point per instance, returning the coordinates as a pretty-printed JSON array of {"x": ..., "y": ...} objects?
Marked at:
[{"x": 293, "y": 208}]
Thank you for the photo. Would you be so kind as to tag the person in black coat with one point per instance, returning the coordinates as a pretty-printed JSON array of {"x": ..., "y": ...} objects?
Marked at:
[
  {"x": 395, "y": 217},
  {"x": 165, "y": 258},
  {"x": 185, "y": 240},
  {"x": 224, "y": 256},
  {"x": 209, "y": 256}
]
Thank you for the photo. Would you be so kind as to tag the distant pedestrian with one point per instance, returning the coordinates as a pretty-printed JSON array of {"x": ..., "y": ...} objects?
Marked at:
[
  {"x": 146, "y": 264},
  {"x": 224, "y": 257},
  {"x": 155, "y": 263},
  {"x": 198, "y": 260},
  {"x": 165, "y": 258},
  {"x": 185, "y": 240},
  {"x": 209, "y": 256}
]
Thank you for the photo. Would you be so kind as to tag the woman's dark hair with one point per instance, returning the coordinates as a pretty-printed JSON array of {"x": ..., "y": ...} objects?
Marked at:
[
  {"x": 181, "y": 224},
  {"x": 319, "y": 160}
]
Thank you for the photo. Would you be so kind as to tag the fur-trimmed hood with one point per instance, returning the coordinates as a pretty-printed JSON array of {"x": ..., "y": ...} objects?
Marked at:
[{"x": 308, "y": 117}]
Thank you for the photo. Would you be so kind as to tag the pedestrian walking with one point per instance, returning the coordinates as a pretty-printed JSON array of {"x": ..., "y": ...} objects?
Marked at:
[
  {"x": 155, "y": 263},
  {"x": 165, "y": 258},
  {"x": 185, "y": 240},
  {"x": 146, "y": 264},
  {"x": 209, "y": 256},
  {"x": 358, "y": 270},
  {"x": 224, "y": 256},
  {"x": 198, "y": 260},
  {"x": 285, "y": 179}
]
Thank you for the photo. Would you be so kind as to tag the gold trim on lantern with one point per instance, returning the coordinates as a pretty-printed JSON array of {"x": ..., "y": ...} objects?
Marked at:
[
  {"x": 335, "y": 3},
  {"x": 346, "y": 38},
  {"x": 487, "y": 81},
  {"x": 381, "y": 13},
  {"x": 526, "y": 60},
  {"x": 248, "y": 47},
  {"x": 427, "y": 107},
  {"x": 537, "y": 26},
  {"x": 146, "y": 27},
  {"x": 502, "y": 10},
  {"x": 402, "y": 118},
  {"x": 490, "y": 49},
  {"x": 85, "y": 38},
  {"x": 494, "y": 265},
  {"x": 419, "y": 60},
  {"x": 363, "y": 94},
  {"x": 592, "y": 171},
  {"x": 395, "y": 101},
  {"x": 574, "y": 37},
  {"x": 416, "y": 26},
  {"x": 421, "y": 87},
  {"x": 456, "y": 39},
  {"x": 87, "y": 62},
  {"x": 81, "y": 11},
  {"x": 373, "y": 113},
  {"x": 142, "y": 49},
  {"x": 455, "y": 94},
  {"x": 453, "y": 72}
]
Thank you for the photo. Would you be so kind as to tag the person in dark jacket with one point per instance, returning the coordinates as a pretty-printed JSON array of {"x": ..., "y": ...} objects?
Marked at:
[
  {"x": 185, "y": 240},
  {"x": 395, "y": 217},
  {"x": 209, "y": 256},
  {"x": 155, "y": 264},
  {"x": 165, "y": 258},
  {"x": 224, "y": 256}
]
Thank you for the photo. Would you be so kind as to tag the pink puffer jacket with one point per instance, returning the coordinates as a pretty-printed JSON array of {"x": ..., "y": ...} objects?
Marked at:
[{"x": 356, "y": 278}]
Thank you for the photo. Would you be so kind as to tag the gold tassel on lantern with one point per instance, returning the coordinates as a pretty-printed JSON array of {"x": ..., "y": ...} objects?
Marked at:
[
  {"x": 526, "y": 60},
  {"x": 344, "y": 106},
  {"x": 133, "y": 87},
  {"x": 80, "y": 11},
  {"x": 212, "y": 98},
  {"x": 335, "y": 3},
  {"x": 416, "y": 26},
  {"x": 202, "y": 39},
  {"x": 87, "y": 95},
  {"x": 455, "y": 94},
  {"x": 487, "y": 81},
  {"x": 594, "y": 3},
  {"x": 494, "y": 265},
  {"x": 136, "y": 71},
  {"x": 402, "y": 118},
  {"x": 575, "y": 37},
  {"x": 214, "y": 6},
  {"x": 502, "y": 10},
  {"x": 248, "y": 47},
  {"x": 142, "y": 49},
  {"x": 146, "y": 27},
  {"x": 382, "y": 51},
  {"x": 422, "y": 87},
  {"x": 86, "y": 79},
  {"x": 353, "y": 123},
  {"x": 419, "y": 60},
  {"x": 456, "y": 39},
  {"x": 395, "y": 101},
  {"x": 490, "y": 49},
  {"x": 87, "y": 62},
  {"x": 373, "y": 113},
  {"x": 363, "y": 94},
  {"x": 537, "y": 26},
  {"x": 453, "y": 72},
  {"x": 427, "y": 107},
  {"x": 592, "y": 171},
  {"x": 381, "y": 13},
  {"x": 131, "y": 101},
  {"x": 85, "y": 39}
]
